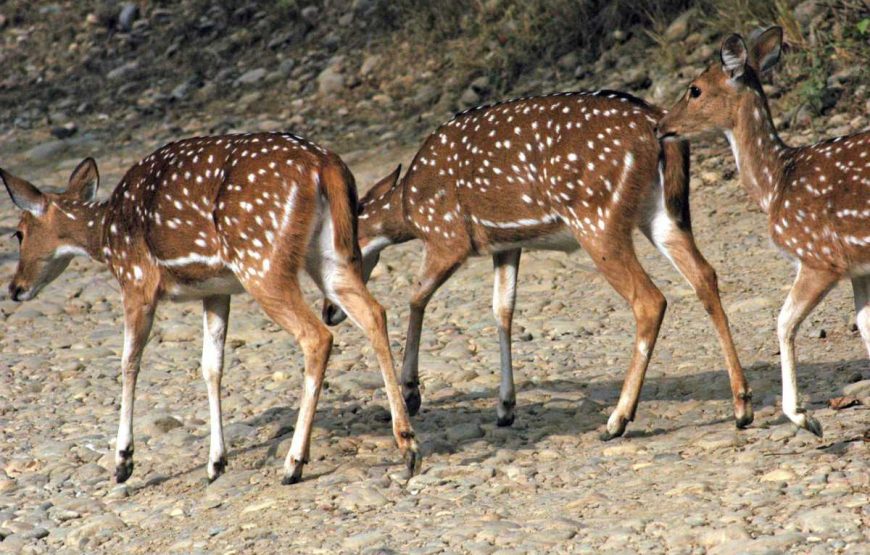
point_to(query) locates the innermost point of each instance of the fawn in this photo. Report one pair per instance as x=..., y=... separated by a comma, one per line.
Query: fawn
x=816, y=197
x=556, y=172
x=206, y=218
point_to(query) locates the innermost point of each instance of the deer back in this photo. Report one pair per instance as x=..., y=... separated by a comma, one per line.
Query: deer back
x=200, y=207
x=512, y=172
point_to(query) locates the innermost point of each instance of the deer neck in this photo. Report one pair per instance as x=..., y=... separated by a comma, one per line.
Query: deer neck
x=759, y=152
x=82, y=226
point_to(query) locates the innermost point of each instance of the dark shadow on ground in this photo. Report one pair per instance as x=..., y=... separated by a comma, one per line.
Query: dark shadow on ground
x=574, y=408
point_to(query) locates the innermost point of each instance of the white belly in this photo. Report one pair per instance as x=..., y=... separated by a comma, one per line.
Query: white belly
x=562, y=240
x=225, y=284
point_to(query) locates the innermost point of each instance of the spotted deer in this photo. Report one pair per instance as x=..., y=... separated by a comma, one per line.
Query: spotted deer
x=557, y=172
x=817, y=197
x=206, y=218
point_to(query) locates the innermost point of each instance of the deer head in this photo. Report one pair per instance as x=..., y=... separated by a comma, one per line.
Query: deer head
x=373, y=228
x=47, y=233
x=714, y=98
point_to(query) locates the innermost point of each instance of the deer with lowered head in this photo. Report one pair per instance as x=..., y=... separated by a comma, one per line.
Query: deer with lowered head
x=816, y=197
x=206, y=218
x=557, y=172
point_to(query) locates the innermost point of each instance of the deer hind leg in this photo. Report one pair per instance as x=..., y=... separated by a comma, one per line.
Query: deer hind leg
x=809, y=288
x=678, y=245
x=861, y=290
x=435, y=271
x=504, y=295
x=349, y=292
x=215, y=315
x=285, y=304
x=138, y=318
x=618, y=262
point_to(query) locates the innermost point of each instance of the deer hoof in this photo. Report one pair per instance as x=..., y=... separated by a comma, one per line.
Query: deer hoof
x=744, y=420
x=413, y=461
x=615, y=427
x=505, y=411
x=413, y=401
x=743, y=414
x=123, y=470
x=294, y=476
x=813, y=425
x=216, y=469
x=505, y=420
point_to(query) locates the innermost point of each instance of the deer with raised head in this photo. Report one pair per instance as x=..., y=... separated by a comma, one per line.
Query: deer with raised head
x=557, y=172
x=206, y=218
x=817, y=197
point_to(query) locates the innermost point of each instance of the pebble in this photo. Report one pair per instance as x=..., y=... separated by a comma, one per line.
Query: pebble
x=330, y=81
x=363, y=540
x=251, y=76
x=859, y=389
x=94, y=531
x=779, y=475
x=464, y=432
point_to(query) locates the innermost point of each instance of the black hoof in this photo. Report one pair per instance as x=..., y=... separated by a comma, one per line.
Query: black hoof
x=413, y=462
x=217, y=469
x=814, y=426
x=744, y=421
x=124, y=470
x=505, y=421
x=293, y=477
x=413, y=401
x=608, y=434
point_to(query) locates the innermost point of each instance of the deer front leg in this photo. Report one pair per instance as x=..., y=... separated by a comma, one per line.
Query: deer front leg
x=436, y=270
x=861, y=290
x=809, y=288
x=215, y=315
x=138, y=317
x=504, y=295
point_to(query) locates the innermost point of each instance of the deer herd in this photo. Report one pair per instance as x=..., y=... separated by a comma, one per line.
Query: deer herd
x=209, y=217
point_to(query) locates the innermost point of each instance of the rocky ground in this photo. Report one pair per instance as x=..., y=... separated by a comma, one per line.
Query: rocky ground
x=682, y=480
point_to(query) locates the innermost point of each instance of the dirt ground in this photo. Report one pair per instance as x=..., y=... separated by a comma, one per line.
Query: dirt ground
x=682, y=480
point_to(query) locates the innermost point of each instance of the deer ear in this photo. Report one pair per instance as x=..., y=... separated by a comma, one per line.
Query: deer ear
x=23, y=194
x=393, y=178
x=734, y=56
x=765, y=48
x=84, y=181
x=385, y=184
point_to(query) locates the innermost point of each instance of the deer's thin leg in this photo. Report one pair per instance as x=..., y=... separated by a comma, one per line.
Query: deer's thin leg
x=617, y=261
x=215, y=315
x=285, y=304
x=861, y=290
x=365, y=312
x=809, y=288
x=504, y=294
x=138, y=318
x=680, y=248
x=434, y=273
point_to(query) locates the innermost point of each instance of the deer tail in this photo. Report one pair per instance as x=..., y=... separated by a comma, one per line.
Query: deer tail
x=339, y=189
x=674, y=167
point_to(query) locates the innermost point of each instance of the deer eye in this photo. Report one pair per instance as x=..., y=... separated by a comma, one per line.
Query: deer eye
x=694, y=91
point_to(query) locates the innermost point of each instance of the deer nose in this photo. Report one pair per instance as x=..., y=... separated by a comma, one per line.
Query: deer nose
x=332, y=314
x=15, y=292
